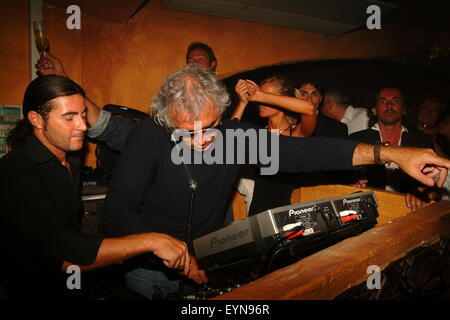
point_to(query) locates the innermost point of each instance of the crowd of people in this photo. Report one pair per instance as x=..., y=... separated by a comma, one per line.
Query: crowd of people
x=157, y=207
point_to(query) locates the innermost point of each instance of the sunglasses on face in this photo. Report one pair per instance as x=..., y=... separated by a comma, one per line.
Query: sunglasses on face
x=183, y=133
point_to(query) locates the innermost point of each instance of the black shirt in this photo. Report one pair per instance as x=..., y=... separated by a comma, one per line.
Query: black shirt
x=149, y=193
x=39, y=230
x=327, y=127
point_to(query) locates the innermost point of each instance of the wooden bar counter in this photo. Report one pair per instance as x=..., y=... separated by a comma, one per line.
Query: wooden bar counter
x=329, y=272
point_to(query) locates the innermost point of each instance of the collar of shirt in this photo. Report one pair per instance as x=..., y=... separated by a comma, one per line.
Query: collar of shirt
x=390, y=165
x=352, y=113
x=377, y=128
x=39, y=153
x=348, y=115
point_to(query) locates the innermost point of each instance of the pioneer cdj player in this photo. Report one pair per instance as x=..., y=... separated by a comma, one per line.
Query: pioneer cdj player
x=281, y=236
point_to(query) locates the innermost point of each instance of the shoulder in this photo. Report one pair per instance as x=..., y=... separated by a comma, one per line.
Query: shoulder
x=329, y=121
x=353, y=113
x=146, y=137
x=17, y=169
x=149, y=129
x=361, y=113
x=417, y=139
x=368, y=135
x=14, y=159
x=330, y=127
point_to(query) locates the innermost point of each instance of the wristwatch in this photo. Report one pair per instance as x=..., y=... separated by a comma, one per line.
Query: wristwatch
x=377, y=151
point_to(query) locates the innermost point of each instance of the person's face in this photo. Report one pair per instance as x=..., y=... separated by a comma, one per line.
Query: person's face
x=199, y=137
x=201, y=58
x=389, y=107
x=309, y=92
x=264, y=110
x=429, y=113
x=65, y=126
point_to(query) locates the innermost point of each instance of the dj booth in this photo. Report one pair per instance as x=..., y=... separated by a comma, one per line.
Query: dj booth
x=281, y=236
x=315, y=249
x=409, y=249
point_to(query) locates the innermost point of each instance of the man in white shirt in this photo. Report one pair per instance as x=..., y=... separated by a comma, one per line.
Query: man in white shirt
x=387, y=126
x=336, y=106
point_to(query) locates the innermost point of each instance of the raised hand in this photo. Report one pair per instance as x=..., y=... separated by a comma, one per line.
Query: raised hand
x=49, y=64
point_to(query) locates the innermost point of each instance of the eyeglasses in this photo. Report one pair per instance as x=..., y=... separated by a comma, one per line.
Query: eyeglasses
x=183, y=133
x=204, y=131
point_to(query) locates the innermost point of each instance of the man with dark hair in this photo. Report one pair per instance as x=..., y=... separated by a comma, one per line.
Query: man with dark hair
x=387, y=122
x=387, y=126
x=40, y=196
x=201, y=54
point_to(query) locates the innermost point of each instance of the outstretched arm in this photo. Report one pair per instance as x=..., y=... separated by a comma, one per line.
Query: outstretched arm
x=173, y=252
x=424, y=165
x=49, y=64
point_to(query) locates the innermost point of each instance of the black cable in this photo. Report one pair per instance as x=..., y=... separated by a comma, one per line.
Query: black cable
x=275, y=249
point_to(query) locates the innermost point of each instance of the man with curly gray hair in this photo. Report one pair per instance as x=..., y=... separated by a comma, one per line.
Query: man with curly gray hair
x=186, y=92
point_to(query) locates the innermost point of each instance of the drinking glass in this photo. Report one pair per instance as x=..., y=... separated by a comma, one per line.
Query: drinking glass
x=40, y=37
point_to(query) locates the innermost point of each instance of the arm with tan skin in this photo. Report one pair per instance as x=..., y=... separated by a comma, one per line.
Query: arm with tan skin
x=244, y=91
x=247, y=91
x=52, y=65
x=424, y=165
x=308, y=124
x=172, y=252
x=417, y=198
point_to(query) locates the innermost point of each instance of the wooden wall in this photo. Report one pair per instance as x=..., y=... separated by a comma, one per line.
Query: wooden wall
x=14, y=51
x=126, y=63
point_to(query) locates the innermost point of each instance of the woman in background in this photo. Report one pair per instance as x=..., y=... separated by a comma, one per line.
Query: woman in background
x=276, y=95
x=286, y=115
